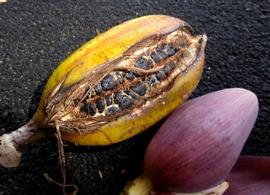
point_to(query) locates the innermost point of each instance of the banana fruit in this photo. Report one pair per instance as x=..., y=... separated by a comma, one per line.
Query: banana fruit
x=119, y=83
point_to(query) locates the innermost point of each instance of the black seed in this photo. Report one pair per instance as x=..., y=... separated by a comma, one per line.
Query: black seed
x=85, y=109
x=164, y=47
x=109, y=100
x=98, y=89
x=139, y=88
x=117, y=97
x=125, y=103
x=162, y=54
x=111, y=110
x=130, y=75
x=172, y=66
x=161, y=75
x=131, y=94
x=92, y=109
x=151, y=79
x=89, y=109
x=100, y=105
x=169, y=50
x=169, y=68
x=158, y=55
x=108, y=82
x=143, y=63
x=155, y=57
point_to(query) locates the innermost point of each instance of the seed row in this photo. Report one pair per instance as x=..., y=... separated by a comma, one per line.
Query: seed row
x=125, y=99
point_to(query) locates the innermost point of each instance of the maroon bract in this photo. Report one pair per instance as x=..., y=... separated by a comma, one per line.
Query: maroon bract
x=250, y=176
x=198, y=145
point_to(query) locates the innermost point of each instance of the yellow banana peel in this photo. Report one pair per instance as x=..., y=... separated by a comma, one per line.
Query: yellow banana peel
x=119, y=83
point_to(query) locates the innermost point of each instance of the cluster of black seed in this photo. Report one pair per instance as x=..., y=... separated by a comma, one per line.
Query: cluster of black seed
x=161, y=53
x=122, y=100
x=118, y=100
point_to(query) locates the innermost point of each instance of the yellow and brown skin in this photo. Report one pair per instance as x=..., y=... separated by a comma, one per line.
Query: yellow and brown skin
x=123, y=81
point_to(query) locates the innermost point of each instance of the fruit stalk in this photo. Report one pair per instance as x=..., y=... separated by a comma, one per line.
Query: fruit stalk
x=13, y=144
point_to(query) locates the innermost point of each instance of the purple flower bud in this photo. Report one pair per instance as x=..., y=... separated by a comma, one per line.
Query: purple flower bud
x=197, y=146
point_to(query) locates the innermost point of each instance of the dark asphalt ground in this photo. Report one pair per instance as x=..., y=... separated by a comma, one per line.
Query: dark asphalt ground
x=36, y=35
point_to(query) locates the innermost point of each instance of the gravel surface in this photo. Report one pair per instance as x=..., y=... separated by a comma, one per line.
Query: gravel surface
x=36, y=35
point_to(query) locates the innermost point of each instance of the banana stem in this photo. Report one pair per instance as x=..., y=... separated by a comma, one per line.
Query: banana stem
x=13, y=144
x=143, y=186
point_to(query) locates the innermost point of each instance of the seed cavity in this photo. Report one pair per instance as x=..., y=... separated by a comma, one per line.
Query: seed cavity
x=125, y=98
x=122, y=89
